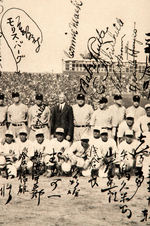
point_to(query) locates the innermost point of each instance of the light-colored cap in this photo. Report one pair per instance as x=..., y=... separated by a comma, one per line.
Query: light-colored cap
x=23, y=130
x=104, y=131
x=39, y=131
x=9, y=132
x=147, y=106
x=60, y=130
x=130, y=115
x=129, y=133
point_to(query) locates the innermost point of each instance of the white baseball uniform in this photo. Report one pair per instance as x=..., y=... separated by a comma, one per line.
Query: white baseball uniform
x=137, y=112
x=17, y=116
x=123, y=127
x=39, y=118
x=141, y=125
x=82, y=116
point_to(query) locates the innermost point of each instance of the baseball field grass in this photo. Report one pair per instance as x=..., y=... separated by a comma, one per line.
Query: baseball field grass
x=61, y=207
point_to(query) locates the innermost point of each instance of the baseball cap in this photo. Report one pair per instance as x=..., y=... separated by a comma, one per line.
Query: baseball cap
x=103, y=100
x=8, y=132
x=23, y=131
x=60, y=130
x=136, y=98
x=104, y=131
x=15, y=94
x=129, y=133
x=39, y=132
x=80, y=96
x=130, y=115
x=39, y=96
x=85, y=137
x=1, y=96
x=147, y=106
x=96, y=128
x=117, y=97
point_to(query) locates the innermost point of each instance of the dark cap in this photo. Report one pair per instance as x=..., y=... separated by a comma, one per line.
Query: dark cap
x=80, y=96
x=117, y=97
x=15, y=94
x=136, y=98
x=2, y=96
x=39, y=97
x=103, y=100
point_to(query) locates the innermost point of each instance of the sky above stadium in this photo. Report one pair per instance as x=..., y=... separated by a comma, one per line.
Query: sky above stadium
x=37, y=34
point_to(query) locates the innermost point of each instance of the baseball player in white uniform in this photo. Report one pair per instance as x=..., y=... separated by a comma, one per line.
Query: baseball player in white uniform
x=127, y=153
x=118, y=114
x=107, y=153
x=82, y=155
x=82, y=113
x=102, y=117
x=24, y=149
x=17, y=114
x=39, y=118
x=95, y=138
x=136, y=109
x=9, y=151
x=3, y=116
x=142, y=122
x=127, y=124
x=59, y=149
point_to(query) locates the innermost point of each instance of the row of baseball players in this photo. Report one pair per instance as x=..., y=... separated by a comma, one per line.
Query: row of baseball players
x=87, y=154
x=76, y=120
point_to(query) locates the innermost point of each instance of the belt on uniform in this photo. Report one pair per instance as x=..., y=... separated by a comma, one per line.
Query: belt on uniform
x=39, y=127
x=108, y=128
x=81, y=126
x=17, y=124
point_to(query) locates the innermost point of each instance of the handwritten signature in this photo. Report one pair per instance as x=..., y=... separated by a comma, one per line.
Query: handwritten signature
x=102, y=50
x=16, y=34
x=73, y=26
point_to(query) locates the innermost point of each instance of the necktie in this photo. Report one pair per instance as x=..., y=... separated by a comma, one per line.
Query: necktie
x=60, y=108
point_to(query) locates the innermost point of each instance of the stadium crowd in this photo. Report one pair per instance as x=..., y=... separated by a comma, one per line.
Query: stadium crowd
x=111, y=140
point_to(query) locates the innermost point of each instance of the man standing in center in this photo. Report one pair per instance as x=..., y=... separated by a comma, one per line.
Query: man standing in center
x=82, y=115
x=62, y=117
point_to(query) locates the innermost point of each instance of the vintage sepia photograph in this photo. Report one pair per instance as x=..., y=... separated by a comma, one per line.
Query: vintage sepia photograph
x=74, y=112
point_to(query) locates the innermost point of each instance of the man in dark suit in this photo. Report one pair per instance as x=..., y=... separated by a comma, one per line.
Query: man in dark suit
x=62, y=117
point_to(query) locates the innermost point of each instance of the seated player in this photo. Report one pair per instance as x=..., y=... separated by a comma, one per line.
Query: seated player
x=25, y=150
x=95, y=138
x=8, y=151
x=146, y=145
x=141, y=123
x=81, y=156
x=107, y=154
x=57, y=154
x=127, y=124
x=41, y=147
x=129, y=153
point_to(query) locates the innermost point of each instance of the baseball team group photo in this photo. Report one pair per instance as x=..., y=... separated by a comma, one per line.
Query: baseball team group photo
x=109, y=140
